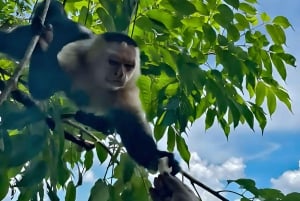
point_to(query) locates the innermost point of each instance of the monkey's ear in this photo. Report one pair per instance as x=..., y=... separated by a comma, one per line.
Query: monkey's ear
x=72, y=55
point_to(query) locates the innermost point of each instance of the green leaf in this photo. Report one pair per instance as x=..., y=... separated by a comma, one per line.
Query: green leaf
x=209, y=33
x=88, y=159
x=243, y=23
x=288, y=58
x=159, y=129
x=106, y=19
x=225, y=126
x=247, y=8
x=70, y=192
x=184, y=7
x=246, y=184
x=260, y=116
x=234, y=3
x=99, y=192
x=4, y=184
x=83, y=14
x=183, y=149
x=271, y=101
x=270, y=194
x=282, y=21
x=283, y=96
x=277, y=34
x=292, y=197
x=233, y=33
x=33, y=174
x=236, y=115
x=260, y=91
x=278, y=63
x=101, y=152
x=125, y=168
x=248, y=115
x=171, y=139
x=226, y=13
x=265, y=17
x=210, y=117
x=20, y=152
x=168, y=20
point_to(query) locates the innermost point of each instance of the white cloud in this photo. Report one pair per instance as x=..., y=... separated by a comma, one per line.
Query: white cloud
x=213, y=175
x=89, y=177
x=288, y=182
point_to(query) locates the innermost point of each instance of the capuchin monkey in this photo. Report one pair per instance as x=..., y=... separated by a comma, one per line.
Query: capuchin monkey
x=45, y=76
x=103, y=71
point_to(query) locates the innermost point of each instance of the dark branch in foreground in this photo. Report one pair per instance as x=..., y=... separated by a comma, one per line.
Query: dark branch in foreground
x=24, y=99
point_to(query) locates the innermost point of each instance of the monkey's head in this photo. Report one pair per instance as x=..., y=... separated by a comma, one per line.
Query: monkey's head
x=110, y=61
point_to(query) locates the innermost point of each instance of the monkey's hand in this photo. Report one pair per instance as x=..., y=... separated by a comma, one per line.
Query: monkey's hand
x=169, y=188
x=45, y=32
x=172, y=162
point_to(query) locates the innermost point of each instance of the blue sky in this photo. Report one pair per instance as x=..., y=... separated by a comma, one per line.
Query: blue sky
x=272, y=160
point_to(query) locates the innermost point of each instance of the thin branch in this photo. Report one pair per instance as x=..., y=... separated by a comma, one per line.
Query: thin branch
x=97, y=140
x=135, y=17
x=12, y=82
x=24, y=99
x=4, y=72
x=193, y=180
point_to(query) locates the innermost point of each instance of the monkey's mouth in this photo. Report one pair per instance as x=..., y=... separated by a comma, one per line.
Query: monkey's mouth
x=117, y=83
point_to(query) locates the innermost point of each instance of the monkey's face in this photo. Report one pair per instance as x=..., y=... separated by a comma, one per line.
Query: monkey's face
x=118, y=66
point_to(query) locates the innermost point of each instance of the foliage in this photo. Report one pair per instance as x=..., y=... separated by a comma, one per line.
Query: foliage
x=209, y=58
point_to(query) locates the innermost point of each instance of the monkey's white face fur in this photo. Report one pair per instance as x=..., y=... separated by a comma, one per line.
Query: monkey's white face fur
x=119, y=65
x=105, y=71
x=109, y=66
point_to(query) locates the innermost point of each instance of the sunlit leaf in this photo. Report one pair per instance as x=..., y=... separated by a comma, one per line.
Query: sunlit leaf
x=278, y=63
x=271, y=102
x=282, y=21
x=171, y=139
x=247, y=8
x=183, y=149
x=265, y=17
x=277, y=34
x=260, y=93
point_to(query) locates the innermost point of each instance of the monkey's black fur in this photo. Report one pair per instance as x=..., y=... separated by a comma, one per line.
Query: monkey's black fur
x=45, y=76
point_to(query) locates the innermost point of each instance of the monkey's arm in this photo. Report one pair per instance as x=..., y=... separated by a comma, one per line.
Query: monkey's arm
x=138, y=142
x=135, y=137
x=15, y=42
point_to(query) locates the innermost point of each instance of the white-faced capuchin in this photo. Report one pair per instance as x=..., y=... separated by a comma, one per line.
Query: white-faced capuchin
x=45, y=76
x=103, y=71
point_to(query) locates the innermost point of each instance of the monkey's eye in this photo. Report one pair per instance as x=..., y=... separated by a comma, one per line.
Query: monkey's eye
x=114, y=62
x=129, y=66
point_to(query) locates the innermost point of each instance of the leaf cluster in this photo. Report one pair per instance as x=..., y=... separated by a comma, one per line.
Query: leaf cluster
x=213, y=58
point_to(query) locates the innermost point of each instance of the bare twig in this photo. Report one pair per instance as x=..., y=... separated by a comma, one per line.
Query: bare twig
x=12, y=82
x=193, y=180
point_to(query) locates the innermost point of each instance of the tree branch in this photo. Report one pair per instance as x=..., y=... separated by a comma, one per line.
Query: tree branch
x=193, y=180
x=12, y=82
x=24, y=99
